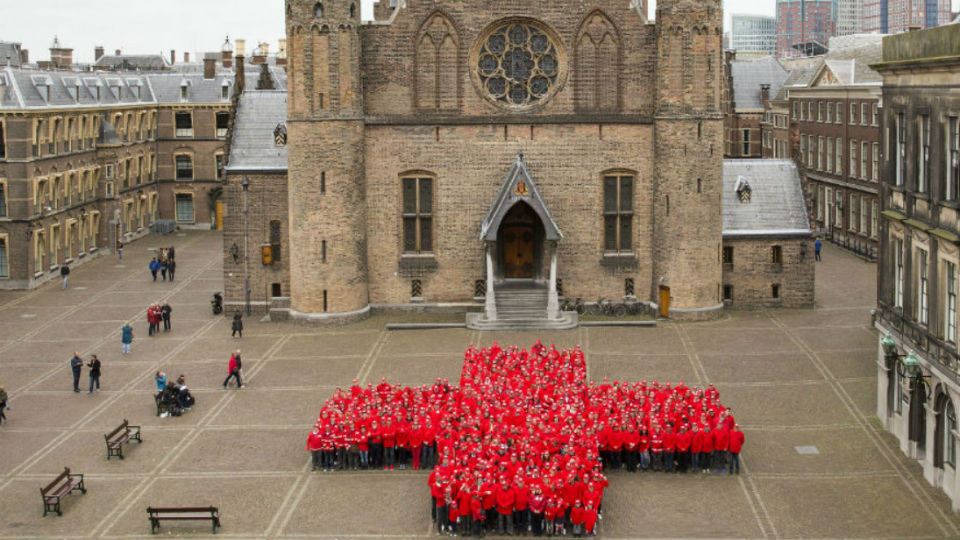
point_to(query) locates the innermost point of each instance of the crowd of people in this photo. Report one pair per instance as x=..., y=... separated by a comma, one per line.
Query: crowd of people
x=173, y=397
x=524, y=443
x=164, y=263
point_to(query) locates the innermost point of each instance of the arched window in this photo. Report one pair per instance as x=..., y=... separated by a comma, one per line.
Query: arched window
x=946, y=445
x=597, y=65
x=417, y=213
x=353, y=11
x=318, y=10
x=618, y=212
x=437, y=67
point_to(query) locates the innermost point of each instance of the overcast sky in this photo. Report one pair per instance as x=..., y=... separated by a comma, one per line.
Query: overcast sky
x=141, y=26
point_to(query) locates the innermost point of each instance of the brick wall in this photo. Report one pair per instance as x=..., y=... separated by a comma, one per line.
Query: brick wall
x=753, y=274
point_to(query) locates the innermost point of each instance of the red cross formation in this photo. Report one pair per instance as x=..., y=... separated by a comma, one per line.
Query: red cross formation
x=527, y=418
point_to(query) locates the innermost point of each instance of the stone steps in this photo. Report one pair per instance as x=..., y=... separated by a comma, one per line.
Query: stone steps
x=522, y=308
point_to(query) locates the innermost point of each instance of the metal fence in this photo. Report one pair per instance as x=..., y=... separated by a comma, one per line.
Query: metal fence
x=163, y=226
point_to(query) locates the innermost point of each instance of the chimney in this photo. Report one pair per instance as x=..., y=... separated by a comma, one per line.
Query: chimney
x=97, y=52
x=765, y=95
x=282, y=53
x=241, y=48
x=24, y=57
x=60, y=57
x=226, y=53
x=186, y=58
x=238, y=82
x=210, y=66
x=173, y=57
x=260, y=54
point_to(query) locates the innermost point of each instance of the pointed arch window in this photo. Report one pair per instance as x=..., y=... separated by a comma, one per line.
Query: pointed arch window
x=618, y=212
x=437, y=65
x=597, y=65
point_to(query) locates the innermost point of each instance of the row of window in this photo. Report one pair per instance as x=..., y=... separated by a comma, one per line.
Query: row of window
x=780, y=149
x=923, y=135
x=139, y=212
x=183, y=124
x=65, y=189
x=826, y=154
x=775, y=292
x=920, y=283
x=862, y=212
x=776, y=255
x=417, y=213
x=944, y=411
x=81, y=234
x=863, y=113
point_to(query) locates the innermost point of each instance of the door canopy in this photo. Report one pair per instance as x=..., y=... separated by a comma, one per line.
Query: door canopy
x=518, y=187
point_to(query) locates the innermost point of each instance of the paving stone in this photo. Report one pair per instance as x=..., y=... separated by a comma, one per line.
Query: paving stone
x=762, y=367
x=23, y=509
x=663, y=368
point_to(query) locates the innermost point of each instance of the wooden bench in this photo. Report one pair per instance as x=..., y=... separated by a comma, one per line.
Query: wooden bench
x=63, y=485
x=157, y=515
x=117, y=437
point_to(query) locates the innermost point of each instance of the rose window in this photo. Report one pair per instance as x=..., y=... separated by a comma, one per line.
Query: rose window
x=517, y=64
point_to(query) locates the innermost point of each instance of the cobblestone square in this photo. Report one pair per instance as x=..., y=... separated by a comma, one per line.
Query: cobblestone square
x=792, y=377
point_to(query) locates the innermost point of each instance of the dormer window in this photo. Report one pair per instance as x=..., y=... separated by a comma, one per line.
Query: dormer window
x=225, y=90
x=93, y=84
x=135, y=86
x=183, y=91
x=743, y=190
x=43, y=83
x=318, y=10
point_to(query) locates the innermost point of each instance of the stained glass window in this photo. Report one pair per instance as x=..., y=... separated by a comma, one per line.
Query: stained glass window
x=518, y=64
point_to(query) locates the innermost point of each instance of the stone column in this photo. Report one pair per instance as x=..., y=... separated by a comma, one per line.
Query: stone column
x=553, y=302
x=490, y=306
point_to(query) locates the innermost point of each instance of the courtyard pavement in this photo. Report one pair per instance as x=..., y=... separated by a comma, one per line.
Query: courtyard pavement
x=793, y=378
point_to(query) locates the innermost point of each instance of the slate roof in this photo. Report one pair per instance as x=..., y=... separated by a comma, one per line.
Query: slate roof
x=252, y=148
x=748, y=75
x=9, y=54
x=132, y=62
x=27, y=89
x=510, y=194
x=167, y=86
x=776, y=206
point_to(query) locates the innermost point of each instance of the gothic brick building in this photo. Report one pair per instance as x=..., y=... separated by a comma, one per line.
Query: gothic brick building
x=448, y=153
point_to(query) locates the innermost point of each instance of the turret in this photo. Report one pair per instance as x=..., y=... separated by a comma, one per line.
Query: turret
x=326, y=185
x=688, y=165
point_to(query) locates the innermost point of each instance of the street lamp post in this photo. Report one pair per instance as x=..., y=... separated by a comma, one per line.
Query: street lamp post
x=246, y=242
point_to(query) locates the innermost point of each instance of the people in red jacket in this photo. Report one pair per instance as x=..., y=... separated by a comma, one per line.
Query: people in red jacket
x=506, y=498
x=577, y=518
x=736, y=444
x=721, y=441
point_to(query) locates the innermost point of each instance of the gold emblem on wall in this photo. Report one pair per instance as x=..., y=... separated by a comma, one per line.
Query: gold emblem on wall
x=521, y=189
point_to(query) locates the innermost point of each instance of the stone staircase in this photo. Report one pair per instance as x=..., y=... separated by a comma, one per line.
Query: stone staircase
x=521, y=307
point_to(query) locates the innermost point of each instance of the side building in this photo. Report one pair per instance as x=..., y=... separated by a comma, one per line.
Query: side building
x=918, y=364
x=836, y=108
x=748, y=88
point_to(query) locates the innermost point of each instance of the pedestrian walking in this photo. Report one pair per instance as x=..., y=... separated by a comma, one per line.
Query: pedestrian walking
x=816, y=248
x=94, y=365
x=170, y=253
x=126, y=338
x=65, y=274
x=165, y=310
x=171, y=268
x=76, y=364
x=163, y=269
x=237, y=325
x=119, y=251
x=3, y=405
x=234, y=368
x=154, y=266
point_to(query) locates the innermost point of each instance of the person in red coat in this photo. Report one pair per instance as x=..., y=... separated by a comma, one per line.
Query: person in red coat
x=464, y=511
x=696, y=442
x=706, y=449
x=389, y=434
x=537, y=504
x=506, y=498
x=315, y=446
x=478, y=514
x=590, y=520
x=721, y=441
x=577, y=518
x=521, y=506
x=736, y=444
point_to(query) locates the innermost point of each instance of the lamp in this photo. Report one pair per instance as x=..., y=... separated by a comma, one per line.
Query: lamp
x=910, y=367
x=889, y=345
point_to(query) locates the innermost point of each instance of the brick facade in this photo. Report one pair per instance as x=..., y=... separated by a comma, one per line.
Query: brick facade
x=754, y=280
x=629, y=99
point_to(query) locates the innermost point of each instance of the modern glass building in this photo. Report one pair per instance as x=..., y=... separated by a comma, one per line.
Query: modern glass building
x=753, y=34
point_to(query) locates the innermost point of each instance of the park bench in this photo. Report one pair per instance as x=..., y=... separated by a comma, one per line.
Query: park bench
x=117, y=437
x=63, y=485
x=190, y=513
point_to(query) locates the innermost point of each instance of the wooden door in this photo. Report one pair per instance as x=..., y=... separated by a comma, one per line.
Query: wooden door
x=518, y=247
x=220, y=217
x=665, y=302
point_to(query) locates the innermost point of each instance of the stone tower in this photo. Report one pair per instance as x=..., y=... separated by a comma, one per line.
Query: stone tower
x=688, y=168
x=328, y=246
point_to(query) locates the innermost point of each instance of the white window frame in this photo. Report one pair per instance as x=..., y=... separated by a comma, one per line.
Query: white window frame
x=950, y=302
x=864, y=156
x=839, y=156
x=898, y=273
x=875, y=170
x=874, y=218
x=852, y=173
x=923, y=152
x=852, y=218
x=923, y=287
x=863, y=214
